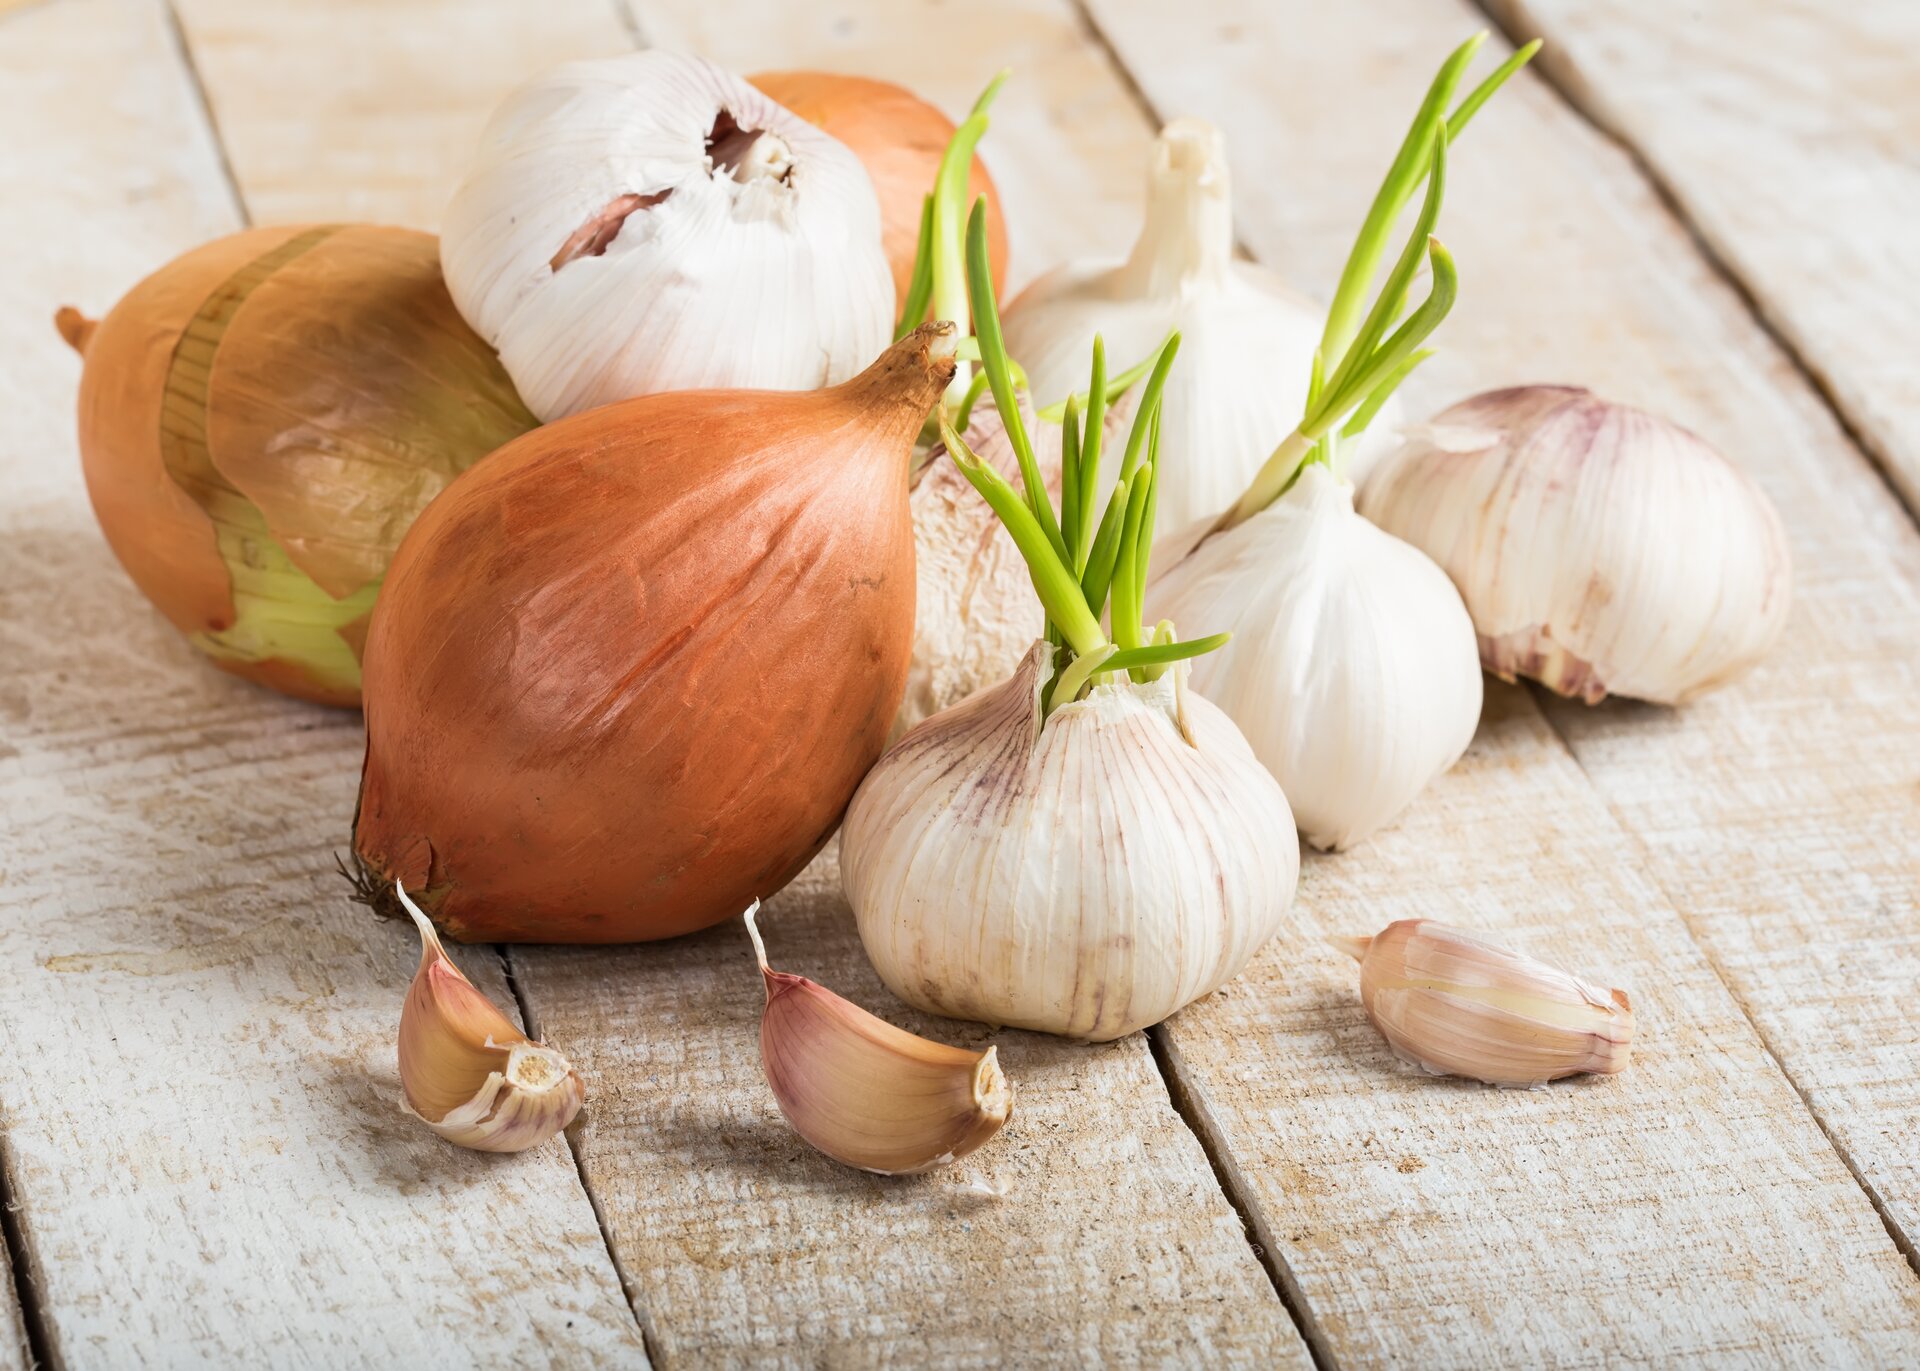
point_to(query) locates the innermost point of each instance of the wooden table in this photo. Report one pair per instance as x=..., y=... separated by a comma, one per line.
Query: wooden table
x=1709, y=209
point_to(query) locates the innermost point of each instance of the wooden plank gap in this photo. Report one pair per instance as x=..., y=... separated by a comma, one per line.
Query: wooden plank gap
x=21, y=1265
x=1188, y=1098
x=530, y=1025
x=177, y=35
x=629, y=19
x=1551, y=66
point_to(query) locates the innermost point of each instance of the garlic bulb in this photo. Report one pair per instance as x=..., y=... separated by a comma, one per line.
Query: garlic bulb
x=1247, y=340
x=650, y=223
x=469, y=1073
x=1352, y=669
x=1457, y=1005
x=1600, y=549
x=1087, y=873
x=866, y=1093
x=975, y=614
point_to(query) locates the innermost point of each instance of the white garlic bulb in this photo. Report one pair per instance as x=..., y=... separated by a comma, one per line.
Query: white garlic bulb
x=650, y=223
x=1352, y=670
x=1086, y=875
x=1600, y=549
x=1247, y=340
x=975, y=614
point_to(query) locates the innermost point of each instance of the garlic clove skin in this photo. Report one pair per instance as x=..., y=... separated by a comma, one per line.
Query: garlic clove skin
x=1458, y=1005
x=975, y=613
x=1601, y=550
x=1087, y=875
x=468, y=1072
x=1353, y=670
x=1247, y=338
x=866, y=1093
x=651, y=223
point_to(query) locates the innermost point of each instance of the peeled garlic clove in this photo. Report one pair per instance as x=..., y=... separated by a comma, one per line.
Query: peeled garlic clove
x=1457, y=1005
x=469, y=1074
x=866, y=1093
x=1600, y=549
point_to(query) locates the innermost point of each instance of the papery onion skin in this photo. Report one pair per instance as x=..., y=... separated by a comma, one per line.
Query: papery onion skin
x=625, y=676
x=1600, y=549
x=260, y=422
x=899, y=138
x=1088, y=877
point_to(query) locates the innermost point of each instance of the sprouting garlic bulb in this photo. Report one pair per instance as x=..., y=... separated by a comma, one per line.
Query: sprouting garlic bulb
x=469, y=1073
x=1457, y=1005
x=1600, y=549
x=650, y=223
x=1087, y=875
x=1247, y=340
x=1352, y=670
x=975, y=614
x=868, y=1094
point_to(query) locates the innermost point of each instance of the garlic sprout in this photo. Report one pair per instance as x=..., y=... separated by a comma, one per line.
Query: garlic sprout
x=1088, y=846
x=650, y=223
x=1600, y=549
x=1353, y=671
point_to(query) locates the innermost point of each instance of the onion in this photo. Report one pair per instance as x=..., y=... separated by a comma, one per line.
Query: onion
x=263, y=418
x=899, y=138
x=626, y=675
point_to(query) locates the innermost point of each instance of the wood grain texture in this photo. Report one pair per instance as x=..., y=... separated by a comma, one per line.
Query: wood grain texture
x=369, y=109
x=1113, y=1243
x=1779, y=818
x=1785, y=132
x=1108, y=1242
x=201, y=1103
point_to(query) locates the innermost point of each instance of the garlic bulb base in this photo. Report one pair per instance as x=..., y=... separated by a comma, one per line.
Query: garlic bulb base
x=1085, y=874
x=1533, y=654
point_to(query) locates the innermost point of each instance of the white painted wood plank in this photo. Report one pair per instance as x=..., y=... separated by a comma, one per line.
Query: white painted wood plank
x=370, y=109
x=200, y=1099
x=1786, y=132
x=1114, y=1242
x=1779, y=819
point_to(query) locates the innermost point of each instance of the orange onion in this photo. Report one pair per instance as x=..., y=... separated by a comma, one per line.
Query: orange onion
x=899, y=138
x=626, y=674
x=263, y=418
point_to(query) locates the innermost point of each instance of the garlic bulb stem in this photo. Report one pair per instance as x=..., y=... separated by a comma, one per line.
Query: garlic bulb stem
x=1188, y=231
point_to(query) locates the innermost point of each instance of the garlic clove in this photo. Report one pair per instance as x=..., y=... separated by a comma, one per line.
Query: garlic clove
x=866, y=1093
x=1455, y=1004
x=469, y=1073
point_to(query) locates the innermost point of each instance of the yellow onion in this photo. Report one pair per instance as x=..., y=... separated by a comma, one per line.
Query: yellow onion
x=899, y=138
x=262, y=419
x=626, y=675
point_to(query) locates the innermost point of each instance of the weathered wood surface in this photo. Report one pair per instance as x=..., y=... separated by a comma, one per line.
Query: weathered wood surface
x=1780, y=818
x=1113, y=1242
x=1785, y=132
x=367, y=109
x=199, y=1095
x=1108, y=1242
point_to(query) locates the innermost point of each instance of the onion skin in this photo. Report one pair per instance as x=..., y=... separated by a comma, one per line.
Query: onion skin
x=625, y=675
x=899, y=138
x=327, y=390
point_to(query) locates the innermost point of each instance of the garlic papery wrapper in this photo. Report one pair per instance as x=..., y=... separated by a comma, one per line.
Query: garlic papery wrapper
x=1600, y=549
x=1455, y=1004
x=1352, y=670
x=651, y=223
x=1247, y=340
x=1087, y=873
x=469, y=1073
x=866, y=1093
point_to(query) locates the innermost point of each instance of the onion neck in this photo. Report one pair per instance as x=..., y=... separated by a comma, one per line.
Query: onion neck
x=1188, y=233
